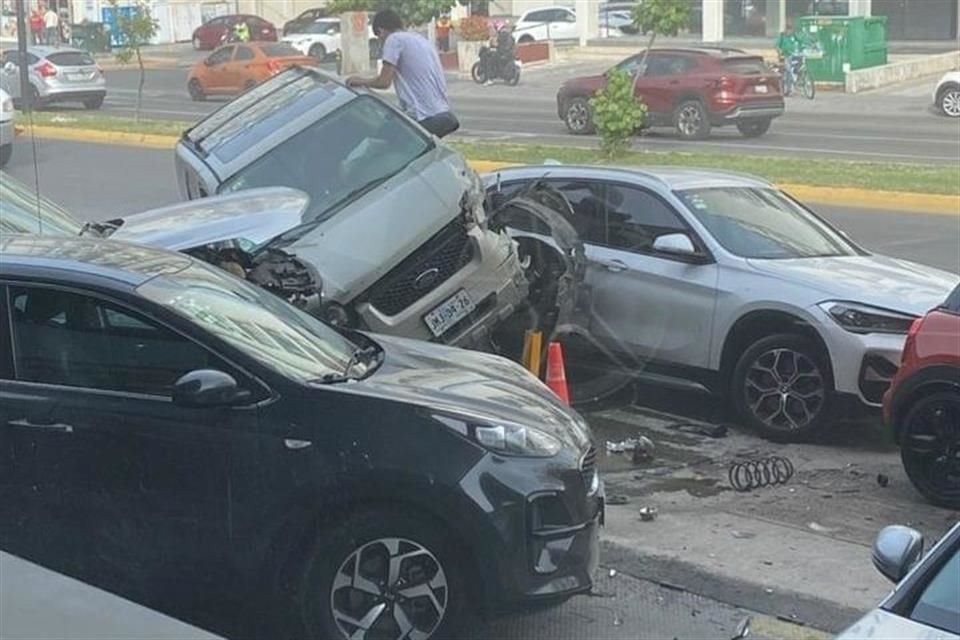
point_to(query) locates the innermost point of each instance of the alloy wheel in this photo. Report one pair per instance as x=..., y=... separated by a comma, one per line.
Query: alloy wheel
x=689, y=121
x=389, y=589
x=950, y=103
x=785, y=389
x=578, y=116
x=933, y=441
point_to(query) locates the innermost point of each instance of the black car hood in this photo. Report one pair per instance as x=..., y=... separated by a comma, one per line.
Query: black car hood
x=478, y=387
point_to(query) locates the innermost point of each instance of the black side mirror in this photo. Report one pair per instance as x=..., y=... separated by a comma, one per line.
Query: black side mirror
x=208, y=388
x=896, y=550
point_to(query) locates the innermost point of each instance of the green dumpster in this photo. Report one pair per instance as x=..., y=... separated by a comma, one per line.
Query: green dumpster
x=91, y=36
x=840, y=44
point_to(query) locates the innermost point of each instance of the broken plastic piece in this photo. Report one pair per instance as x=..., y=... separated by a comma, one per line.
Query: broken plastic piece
x=648, y=514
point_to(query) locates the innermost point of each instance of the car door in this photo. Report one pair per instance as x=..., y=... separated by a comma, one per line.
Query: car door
x=130, y=489
x=659, y=82
x=242, y=69
x=564, y=25
x=644, y=303
x=218, y=72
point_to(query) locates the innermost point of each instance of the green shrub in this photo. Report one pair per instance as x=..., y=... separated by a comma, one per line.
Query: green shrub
x=617, y=113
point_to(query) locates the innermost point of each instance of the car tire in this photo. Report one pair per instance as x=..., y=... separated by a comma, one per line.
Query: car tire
x=362, y=544
x=514, y=78
x=930, y=447
x=319, y=52
x=754, y=127
x=948, y=101
x=782, y=387
x=477, y=73
x=691, y=120
x=525, y=39
x=195, y=89
x=93, y=104
x=578, y=116
x=6, y=151
x=35, y=97
x=249, y=84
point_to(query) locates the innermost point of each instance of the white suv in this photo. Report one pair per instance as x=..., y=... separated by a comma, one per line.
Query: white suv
x=550, y=23
x=946, y=97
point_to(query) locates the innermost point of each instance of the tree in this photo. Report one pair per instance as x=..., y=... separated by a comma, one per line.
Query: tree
x=413, y=12
x=617, y=113
x=660, y=18
x=135, y=29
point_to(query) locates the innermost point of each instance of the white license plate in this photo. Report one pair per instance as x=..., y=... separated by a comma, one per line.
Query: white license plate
x=452, y=311
x=79, y=77
x=761, y=88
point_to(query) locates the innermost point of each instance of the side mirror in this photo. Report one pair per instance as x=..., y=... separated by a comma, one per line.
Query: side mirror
x=207, y=388
x=9, y=67
x=896, y=550
x=676, y=244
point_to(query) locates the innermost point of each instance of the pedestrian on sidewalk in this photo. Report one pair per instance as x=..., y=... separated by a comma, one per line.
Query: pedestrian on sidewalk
x=36, y=26
x=443, y=33
x=412, y=65
x=51, y=24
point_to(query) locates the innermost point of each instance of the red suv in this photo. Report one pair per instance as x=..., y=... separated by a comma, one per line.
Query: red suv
x=214, y=32
x=690, y=89
x=923, y=404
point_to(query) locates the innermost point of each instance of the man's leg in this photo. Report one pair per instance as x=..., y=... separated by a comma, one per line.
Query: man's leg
x=442, y=124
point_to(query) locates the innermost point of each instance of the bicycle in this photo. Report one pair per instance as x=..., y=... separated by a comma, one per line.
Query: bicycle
x=800, y=78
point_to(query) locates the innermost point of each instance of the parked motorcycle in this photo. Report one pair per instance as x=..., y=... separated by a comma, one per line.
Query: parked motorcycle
x=503, y=68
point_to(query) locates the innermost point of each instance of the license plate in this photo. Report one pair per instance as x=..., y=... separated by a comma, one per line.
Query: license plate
x=79, y=77
x=761, y=88
x=452, y=311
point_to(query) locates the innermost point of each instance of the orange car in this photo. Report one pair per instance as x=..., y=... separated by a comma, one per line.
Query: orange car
x=234, y=68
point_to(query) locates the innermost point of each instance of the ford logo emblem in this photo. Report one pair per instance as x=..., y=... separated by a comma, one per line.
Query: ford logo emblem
x=427, y=280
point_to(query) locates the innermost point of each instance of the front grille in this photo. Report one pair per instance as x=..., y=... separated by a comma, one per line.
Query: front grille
x=424, y=270
x=588, y=466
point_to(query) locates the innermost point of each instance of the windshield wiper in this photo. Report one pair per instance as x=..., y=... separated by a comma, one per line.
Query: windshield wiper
x=362, y=355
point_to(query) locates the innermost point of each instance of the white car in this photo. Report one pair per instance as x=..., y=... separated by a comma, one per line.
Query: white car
x=318, y=39
x=550, y=23
x=722, y=280
x=946, y=97
x=925, y=604
x=6, y=127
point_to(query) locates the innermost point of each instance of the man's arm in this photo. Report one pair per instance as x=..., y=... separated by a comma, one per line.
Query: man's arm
x=383, y=81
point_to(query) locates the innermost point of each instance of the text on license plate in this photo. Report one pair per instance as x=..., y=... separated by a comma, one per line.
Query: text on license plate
x=760, y=88
x=453, y=310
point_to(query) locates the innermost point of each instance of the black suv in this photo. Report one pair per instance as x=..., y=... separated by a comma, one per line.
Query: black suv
x=174, y=433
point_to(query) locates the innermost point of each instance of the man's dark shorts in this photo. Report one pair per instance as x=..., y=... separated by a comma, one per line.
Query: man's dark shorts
x=442, y=124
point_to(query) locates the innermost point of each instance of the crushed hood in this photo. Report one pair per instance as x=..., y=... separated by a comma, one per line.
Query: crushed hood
x=256, y=216
x=471, y=384
x=881, y=281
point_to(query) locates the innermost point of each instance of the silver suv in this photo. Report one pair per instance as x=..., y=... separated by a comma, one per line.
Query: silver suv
x=396, y=226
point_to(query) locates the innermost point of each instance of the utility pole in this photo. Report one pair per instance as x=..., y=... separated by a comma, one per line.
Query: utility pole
x=26, y=95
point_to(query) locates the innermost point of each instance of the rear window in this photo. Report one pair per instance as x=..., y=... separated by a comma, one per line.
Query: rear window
x=71, y=59
x=745, y=66
x=953, y=302
x=279, y=50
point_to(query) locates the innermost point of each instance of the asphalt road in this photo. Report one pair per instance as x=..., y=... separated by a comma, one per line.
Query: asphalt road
x=98, y=182
x=895, y=125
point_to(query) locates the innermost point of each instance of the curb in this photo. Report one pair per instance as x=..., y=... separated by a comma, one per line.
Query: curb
x=925, y=203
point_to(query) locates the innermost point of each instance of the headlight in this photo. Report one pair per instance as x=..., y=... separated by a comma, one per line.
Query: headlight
x=6, y=106
x=506, y=439
x=861, y=318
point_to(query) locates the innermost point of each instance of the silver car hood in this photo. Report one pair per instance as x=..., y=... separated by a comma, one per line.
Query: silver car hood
x=256, y=216
x=883, y=624
x=890, y=283
x=359, y=244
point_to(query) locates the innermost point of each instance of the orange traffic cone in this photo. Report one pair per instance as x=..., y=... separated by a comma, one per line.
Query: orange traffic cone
x=557, y=373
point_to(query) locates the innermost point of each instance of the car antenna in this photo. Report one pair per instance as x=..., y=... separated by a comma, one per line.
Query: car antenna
x=26, y=100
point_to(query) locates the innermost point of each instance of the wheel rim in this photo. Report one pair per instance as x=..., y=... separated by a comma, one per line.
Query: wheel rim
x=578, y=116
x=785, y=389
x=195, y=90
x=690, y=120
x=951, y=103
x=389, y=589
x=933, y=440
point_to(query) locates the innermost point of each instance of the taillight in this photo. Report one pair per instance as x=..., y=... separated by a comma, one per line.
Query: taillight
x=46, y=69
x=273, y=66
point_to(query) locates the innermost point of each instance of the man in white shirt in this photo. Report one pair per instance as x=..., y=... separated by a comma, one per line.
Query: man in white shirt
x=51, y=24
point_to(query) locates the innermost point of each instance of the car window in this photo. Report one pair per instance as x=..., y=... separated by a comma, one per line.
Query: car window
x=6, y=351
x=939, y=604
x=562, y=15
x=13, y=57
x=221, y=56
x=539, y=16
x=952, y=303
x=745, y=66
x=586, y=199
x=631, y=64
x=323, y=27
x=81, y=341
x=244, y=53
x=636, y=217
x=71, y=59
x=363, y=142
x=763, y=223
x=667, y=65
x=21, y=211
x=279, y=50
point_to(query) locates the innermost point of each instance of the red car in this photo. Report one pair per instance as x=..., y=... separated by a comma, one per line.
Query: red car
x=923, y=404
x=216, y=31
x=692, y=90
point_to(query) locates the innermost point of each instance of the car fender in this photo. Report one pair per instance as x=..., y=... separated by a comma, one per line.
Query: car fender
x=927, y=379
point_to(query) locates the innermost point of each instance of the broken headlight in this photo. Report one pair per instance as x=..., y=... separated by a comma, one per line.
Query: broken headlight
x=505, y=438
x=861, y=318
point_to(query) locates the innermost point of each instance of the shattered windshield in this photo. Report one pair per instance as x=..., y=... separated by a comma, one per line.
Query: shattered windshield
x=256, y=322
x=360, y=144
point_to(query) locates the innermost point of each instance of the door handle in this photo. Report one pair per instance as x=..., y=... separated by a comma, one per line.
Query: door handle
x=54, y=426
x=614, y=265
